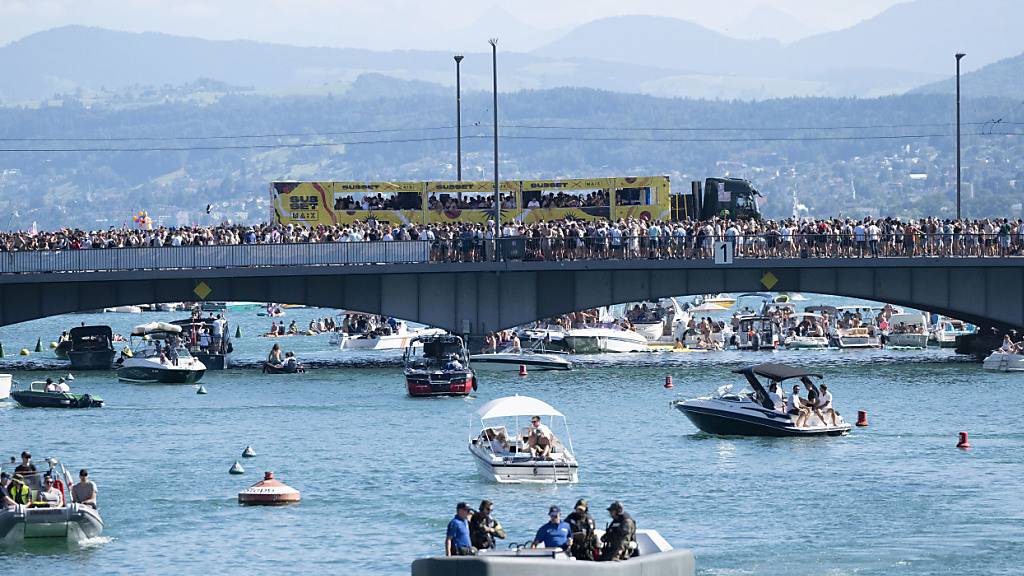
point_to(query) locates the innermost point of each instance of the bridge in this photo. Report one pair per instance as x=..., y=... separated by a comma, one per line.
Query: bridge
x=401, y=279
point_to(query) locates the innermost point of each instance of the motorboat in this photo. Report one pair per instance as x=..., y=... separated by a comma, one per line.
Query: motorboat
x=604, y=338
x=197, y=333
x=859, y=337
x=1001, y=361
x=506, y=457
x=90, y=347
x=661, y=321
x=366, y=332
x=438, y=365
x=908, y=330
x=806, y=332
x=946, y=331
x=67, y=521
x=150, y=362
x=722, y=299
x=757, y=332
x=753, y=413
x=37, y=397
x=5, y=386
x=549, y=336
x=511, y=358
x=124, y=310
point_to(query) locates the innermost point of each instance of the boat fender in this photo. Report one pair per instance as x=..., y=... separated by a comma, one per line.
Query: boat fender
x=475, y=382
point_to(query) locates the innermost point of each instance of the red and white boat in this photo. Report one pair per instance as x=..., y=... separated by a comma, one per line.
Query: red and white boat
x=438, y=365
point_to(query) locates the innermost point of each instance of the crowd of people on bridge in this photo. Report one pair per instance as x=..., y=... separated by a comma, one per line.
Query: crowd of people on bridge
x=575, y=239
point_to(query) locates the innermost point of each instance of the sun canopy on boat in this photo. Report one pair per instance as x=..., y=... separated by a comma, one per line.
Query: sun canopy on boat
x=777, y=372
x=150, y=328
x=516, y=406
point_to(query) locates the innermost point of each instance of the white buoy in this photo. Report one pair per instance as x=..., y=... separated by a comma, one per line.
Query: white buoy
x=70, y=377
x=248, y=452
x=201, y=390
x=236, y=468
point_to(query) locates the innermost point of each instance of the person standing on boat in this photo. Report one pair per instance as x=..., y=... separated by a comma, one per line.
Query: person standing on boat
x=483, y=528
x=583, y=536
x=27, y=470
x=554, y=533
x=621, y=532
x=457, y=541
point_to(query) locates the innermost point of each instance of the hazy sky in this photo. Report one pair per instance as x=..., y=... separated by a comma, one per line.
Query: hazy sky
x=399, y=24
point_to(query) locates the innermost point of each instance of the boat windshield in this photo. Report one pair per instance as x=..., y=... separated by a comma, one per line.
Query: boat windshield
x=436, y=353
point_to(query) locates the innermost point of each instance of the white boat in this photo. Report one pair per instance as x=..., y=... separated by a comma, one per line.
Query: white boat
x=67, y=521
x=505, y=456
x=1000, y=361
x=946, y=331
x=511, y=358
x=149, y=362
x=908, y=330
x=550, y=335
x=861, y=337
x=757, y=333
x=809, y=340
x=722, y=299
x=380, y=341
x=5, y=386
x=604, y=338
x=753, y=413
x=124, y=309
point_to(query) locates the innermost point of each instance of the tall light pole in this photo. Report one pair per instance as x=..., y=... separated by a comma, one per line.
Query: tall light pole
x=959, y=55
x=458, y=117
x=497, y=188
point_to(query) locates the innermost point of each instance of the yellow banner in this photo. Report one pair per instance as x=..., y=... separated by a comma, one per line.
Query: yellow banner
x=305, y=203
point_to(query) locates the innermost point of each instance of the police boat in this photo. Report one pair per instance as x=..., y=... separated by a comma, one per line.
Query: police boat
x=502, y=448
x=753, y=413
x=64, y=519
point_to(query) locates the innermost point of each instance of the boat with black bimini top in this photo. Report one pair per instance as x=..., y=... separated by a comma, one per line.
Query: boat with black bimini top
x=438, y=365
x=753, y=413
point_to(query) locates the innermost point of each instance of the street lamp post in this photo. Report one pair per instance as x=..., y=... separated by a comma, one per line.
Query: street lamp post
x=458, y=117
x=959, y=55
x=497, y=188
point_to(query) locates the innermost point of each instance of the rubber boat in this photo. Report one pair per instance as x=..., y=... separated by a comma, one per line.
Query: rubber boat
x=69, y=521
x=509, y=358
x=438, y=365
x=37, y=397
x=148, y=365
x=91, y=347
x=505, y=457
x=1000, y=361
x=604, y=338
x=752, y=413
x=286, y=368
x=908, y=330
x=5, y=386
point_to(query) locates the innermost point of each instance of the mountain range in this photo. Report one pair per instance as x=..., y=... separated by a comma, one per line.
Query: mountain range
x=904, y=47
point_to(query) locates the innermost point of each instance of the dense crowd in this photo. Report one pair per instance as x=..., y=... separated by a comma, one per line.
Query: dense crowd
x=571, y=239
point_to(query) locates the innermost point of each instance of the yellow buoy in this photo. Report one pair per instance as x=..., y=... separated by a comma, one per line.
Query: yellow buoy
x=53, y=344
x=24, y=352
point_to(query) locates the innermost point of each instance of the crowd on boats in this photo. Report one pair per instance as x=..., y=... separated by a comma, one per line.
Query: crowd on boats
x=27, y=486
x=472, y=532
x=571, y=239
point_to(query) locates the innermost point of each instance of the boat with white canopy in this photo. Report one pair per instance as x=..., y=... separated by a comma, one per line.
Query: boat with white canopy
x=158, y=355
x=509, y=448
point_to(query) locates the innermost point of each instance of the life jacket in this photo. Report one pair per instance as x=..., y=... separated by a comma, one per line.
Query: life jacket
x=20, y=493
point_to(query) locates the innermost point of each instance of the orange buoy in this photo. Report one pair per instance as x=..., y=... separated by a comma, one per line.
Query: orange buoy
x=963, y=443
x=668, y=382
x=862, y=418
x=522, y=369
x=268, y=492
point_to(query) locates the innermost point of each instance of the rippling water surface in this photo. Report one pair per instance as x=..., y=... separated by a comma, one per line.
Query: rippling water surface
x=380, y=473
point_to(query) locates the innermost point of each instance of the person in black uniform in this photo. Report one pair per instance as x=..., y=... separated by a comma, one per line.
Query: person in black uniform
x=615, y=544
x=484, y=528
x=582, y=525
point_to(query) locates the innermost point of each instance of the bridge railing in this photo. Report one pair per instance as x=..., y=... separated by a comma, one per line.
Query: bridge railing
x=508, y=249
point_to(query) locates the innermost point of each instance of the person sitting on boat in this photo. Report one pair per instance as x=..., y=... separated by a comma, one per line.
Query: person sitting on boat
x=793, y=404
x=619, y=537
x=775, y=398
x=5, y=497
x=51, y=386
x=453, y=364
x=273, y=328
x=274, y=358
x=825, y=405
x=1008, y=346
x=313, y=327
x=484, y=528
x=293, y=328
x=18, y=491
x=49, y=496
x=64, y=337
x=554, y=533
x=540, y=440
x=84, y=492
x=62, y=386
x=811, y=405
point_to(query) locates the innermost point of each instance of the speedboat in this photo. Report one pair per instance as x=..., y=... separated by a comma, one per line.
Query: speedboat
x=505, y=456
x=150, y=363
x=859, y=337
x=604, y=338
x=124, y=310
x=549, y=336
x=37, y=397
x=757, y=332
x=533, y=358
x=724, y=300
x=946, y=331
x=752, y=413
x=215, y=354
x=68, y=521
x=90, y=347
x=1000, y=361
x=438, y=365
x=364, y=332
x=811, y=325
x=907, y=330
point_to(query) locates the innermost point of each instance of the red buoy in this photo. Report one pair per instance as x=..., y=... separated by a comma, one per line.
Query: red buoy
x=268, y=492
x=522, y=369
x=668, y=381
x=862, y=418
x=963, y=443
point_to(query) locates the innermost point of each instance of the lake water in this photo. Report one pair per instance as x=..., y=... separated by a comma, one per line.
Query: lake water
x=380, y=473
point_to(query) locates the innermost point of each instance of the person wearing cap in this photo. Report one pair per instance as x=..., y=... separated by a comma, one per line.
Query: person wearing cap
x=619, y=535
x=484, y=528
x=457, y=541
x=28, y=470
x=582, y=525
x=18, y=491
x=554, y=533
x=84, y=492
